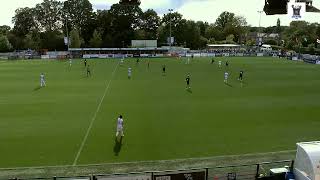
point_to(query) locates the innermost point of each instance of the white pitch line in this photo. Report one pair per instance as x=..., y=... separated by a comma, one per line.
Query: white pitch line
x=94, y=117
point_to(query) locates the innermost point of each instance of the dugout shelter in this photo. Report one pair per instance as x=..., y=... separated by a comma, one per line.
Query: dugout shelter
x=307, y=163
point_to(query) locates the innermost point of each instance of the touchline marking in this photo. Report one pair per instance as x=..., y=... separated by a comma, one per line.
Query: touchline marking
x=94, y=117
x=156, y=161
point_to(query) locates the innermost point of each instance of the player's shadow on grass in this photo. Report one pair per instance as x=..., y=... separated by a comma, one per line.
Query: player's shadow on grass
x=37, y=88
x=189, y=91
x=243, y=84
x=117, y=146
x=228, y=84
x=85, y=77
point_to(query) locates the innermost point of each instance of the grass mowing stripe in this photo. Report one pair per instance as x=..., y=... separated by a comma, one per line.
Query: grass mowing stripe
x=94, y=117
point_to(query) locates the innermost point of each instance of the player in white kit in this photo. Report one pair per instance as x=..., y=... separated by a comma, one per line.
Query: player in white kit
x=226, y=77
x=121, y=61
x=70, y=64
x=129, y=73
x=42, y=80
x=120, y=127
x=220, y=63
x=188, y=61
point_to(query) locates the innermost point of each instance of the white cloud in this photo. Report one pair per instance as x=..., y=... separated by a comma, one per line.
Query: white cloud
x=8, y=8
x=155, y=4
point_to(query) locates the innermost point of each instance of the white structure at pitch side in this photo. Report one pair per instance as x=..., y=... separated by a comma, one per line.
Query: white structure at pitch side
x=307, y=163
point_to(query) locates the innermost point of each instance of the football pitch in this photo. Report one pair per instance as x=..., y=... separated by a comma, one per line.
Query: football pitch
x=72, y=121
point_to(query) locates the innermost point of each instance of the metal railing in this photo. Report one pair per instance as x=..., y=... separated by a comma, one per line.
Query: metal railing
x=230, y=172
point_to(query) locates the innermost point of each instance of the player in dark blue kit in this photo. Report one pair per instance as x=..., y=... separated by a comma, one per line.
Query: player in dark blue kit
x=240, y=76
x=212, y=60
x=164, y=70
x=188, y=81
x=85, y=62
x=88, y=71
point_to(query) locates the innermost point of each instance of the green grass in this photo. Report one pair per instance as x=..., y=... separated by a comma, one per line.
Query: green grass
x=277, y=106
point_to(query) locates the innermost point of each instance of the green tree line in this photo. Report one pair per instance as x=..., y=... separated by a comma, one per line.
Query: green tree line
x=45, y=26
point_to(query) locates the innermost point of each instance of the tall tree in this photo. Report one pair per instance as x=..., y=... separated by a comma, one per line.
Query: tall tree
x=130, y=15
x=104, y=25
x=52, y=40
x=229, y=23
x=203, y=27
x=150, y=23
x=230, y=39
x=24, y=21
x=103, y=20
x=44, y=26
x=125, y=20
x=48, y=14
x=318, y=31
x=32, y=41
x=162, y=35
x=79, y=14
x=242, y=26
x=4, y=44
x=16, y=41
x=129, y=2
x=177, y=23
x=191, y=35
x=224, y=19
x=75, y=39
x=4, y=30
x=318, y=35
x=172, y=18
x=296, y=34
x=214, y=34
x=96, y=40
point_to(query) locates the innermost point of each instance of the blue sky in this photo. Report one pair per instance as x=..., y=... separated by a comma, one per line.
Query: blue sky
x=205, y=10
